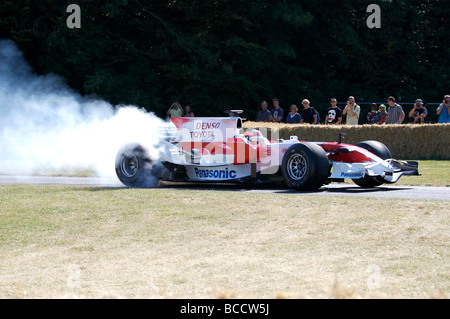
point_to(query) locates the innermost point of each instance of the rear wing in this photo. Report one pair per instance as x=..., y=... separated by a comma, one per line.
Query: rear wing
x=207, y=129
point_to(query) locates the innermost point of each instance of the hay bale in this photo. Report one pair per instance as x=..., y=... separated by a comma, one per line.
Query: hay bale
x=407, y=141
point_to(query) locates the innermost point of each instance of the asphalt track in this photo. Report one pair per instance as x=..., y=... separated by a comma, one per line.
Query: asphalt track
x=341, y=189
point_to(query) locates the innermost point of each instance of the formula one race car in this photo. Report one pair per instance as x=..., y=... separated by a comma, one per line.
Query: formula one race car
x=201, y=149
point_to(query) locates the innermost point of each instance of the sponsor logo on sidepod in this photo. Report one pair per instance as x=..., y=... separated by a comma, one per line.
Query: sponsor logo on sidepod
x=215, y=173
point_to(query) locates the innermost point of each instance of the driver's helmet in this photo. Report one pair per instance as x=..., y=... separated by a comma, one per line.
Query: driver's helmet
x=254, y=136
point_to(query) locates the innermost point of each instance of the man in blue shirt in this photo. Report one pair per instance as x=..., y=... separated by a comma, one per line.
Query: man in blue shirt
x=444, y=110
x=277, y=112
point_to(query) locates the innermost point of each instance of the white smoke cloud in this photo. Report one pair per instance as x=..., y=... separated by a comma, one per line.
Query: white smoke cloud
x=44, y=125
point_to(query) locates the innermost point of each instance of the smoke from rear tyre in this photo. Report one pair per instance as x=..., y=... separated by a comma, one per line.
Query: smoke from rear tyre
x=135, y=168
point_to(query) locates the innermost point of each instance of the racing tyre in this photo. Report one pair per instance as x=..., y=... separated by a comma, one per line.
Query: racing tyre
x=135, y=168
x=305, y=166
x=380, y=150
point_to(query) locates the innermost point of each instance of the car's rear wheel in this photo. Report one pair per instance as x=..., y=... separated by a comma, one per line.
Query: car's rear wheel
x=135, y=168
x=380, y=150
x=305, y=166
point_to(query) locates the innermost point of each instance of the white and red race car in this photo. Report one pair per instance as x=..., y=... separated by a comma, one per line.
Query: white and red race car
x=213, y=149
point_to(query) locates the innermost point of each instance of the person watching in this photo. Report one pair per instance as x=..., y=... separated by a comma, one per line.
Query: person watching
x=444, y=110
x=373, y=117
x=293, y=116
x=334, y=113
x=277, y=112
x=308, y=113
x=175, y=110
x=395, y=113
x=382, y=113
x=188, y=112
x=264, y=114
x=418, y=112
x=352, y=110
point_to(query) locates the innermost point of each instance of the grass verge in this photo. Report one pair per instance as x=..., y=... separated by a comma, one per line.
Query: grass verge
x=58, y=242
x=433, y=173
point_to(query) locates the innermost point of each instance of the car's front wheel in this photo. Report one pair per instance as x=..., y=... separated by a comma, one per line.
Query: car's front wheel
x=305, y=166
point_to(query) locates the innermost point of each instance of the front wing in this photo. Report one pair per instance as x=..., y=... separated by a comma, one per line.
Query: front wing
x=390, y=170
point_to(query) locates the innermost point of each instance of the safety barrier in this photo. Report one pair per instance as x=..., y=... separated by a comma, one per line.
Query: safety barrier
x=406, y=141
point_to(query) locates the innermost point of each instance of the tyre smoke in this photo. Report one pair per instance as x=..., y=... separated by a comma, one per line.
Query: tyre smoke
x=47, y=127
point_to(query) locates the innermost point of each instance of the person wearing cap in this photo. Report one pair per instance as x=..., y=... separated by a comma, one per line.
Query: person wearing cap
x=444, y=110
x=382, y=113
x=418, y=113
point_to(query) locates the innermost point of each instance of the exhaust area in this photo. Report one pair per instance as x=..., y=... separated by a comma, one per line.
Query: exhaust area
x=48, y=128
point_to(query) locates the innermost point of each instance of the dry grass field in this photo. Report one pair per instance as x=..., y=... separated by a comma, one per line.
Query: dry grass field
x=433, y=173
x=67, y=242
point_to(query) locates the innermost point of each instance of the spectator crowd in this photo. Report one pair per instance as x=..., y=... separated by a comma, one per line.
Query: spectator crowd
x=393, y=113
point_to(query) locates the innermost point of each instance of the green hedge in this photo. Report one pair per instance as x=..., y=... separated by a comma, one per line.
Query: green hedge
x=426, y=141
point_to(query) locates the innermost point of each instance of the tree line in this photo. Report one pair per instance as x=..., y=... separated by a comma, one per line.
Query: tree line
x=220, y=54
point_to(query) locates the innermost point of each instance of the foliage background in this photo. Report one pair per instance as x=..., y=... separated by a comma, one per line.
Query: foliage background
x=221, y=54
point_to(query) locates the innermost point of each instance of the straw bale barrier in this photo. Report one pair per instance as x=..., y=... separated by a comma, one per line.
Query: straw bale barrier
x=426, y=141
